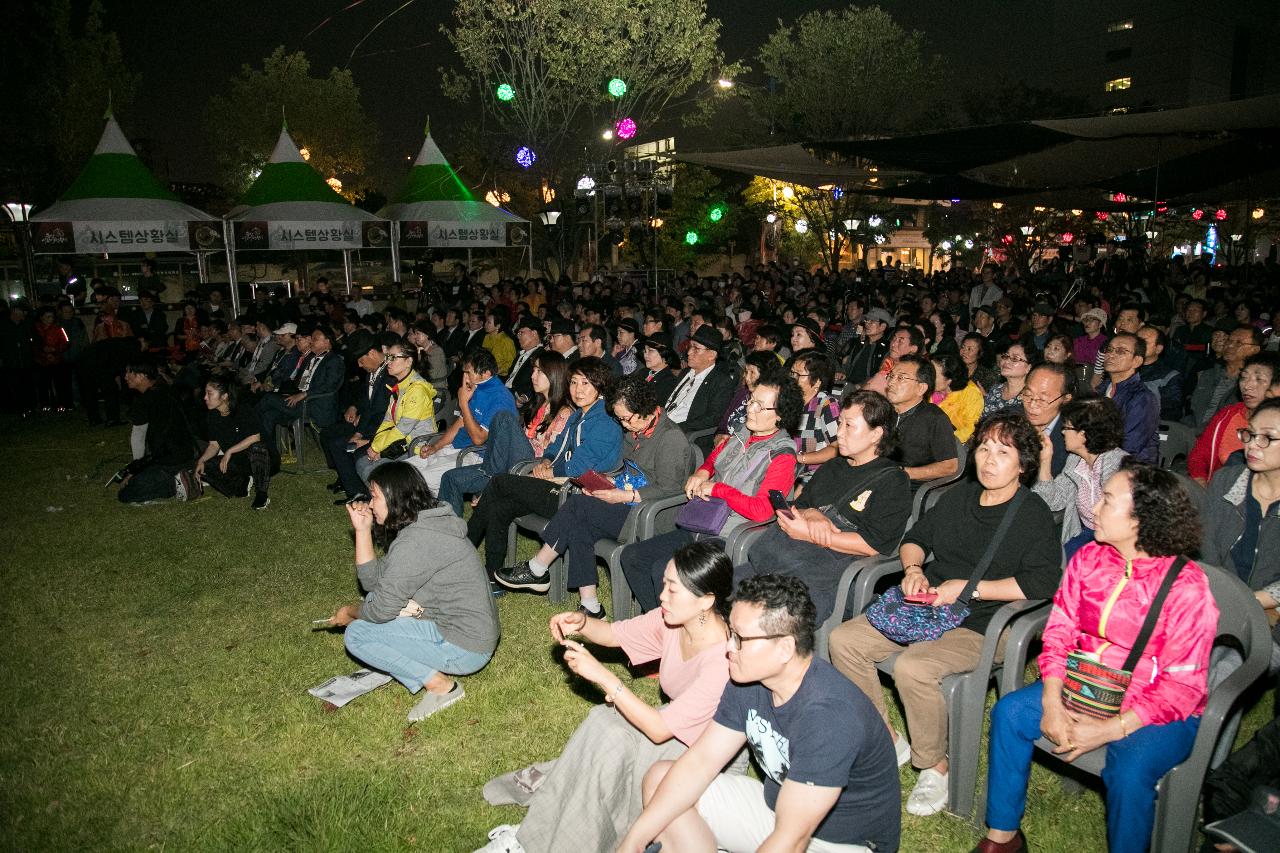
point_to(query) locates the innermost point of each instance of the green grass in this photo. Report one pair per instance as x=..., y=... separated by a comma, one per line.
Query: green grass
x=157, y=660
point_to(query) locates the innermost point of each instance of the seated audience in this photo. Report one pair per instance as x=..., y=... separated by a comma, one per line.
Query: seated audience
x=829, y=780
x=322, y=375
x=1047, y=391
x=855, y=505
x=926, y=443
x=1092, y=429
x=1159, y=375
x=427, y=614
x=760, y=364
x=703, y=390
x=1216, y=386
x=656, y=459
x=660, y=364
x=410, y=414
x=1259, y=380
x=368, y=396
x=164, y=470
x=957, y=533
x=815, y=436
x=738, y=474
x=599, y=773
x=975, y=352
x=1143, y=522
x=962, y=400
x=1122, y=357
x=1015, y=363
x=235, y=459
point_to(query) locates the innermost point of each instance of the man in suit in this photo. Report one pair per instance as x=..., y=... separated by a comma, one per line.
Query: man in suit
x=453, y=337
x=703, y=391
x=367, y=406
x=529, y=339
x=148, y=322
x=317, y=387
x=473, y=340
x=1047, y=390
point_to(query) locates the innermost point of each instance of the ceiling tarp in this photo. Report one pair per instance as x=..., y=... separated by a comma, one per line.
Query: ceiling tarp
x=790, y=163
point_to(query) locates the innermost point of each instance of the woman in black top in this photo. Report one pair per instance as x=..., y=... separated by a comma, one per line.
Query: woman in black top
x=661, y=363
x=238, y=456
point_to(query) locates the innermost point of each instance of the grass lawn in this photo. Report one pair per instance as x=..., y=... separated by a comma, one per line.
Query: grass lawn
x=157, y=662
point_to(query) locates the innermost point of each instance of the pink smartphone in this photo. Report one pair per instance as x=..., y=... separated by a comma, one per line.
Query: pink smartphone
x=922, y=599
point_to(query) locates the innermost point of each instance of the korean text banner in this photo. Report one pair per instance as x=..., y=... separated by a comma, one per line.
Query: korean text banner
x=443, y=234
x=145, y=236
x=297, y=235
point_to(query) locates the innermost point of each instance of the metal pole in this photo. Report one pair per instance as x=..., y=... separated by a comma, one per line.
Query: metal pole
x=395, y=250
x=346, y=268
x=228, y=237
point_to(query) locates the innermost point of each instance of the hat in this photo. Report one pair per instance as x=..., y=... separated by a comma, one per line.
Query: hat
x=810, y=326
x=659, y=341
x=985, y=309
x=879, y=315
x=287, y=329
x=628, y=324
x=1096, y=313
x=528, y=321
x=1043, y=308
x=708, y=337
x=1226, y=324
x=1005, y=301
x=563, y=327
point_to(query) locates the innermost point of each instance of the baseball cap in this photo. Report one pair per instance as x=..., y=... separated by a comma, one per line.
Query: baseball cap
x=879, y=315
x=287, y=329
x=1096, y=313
x=1043, y=308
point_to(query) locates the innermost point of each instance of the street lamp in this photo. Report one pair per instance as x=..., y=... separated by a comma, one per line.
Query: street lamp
x=549, y=217
x=1027, y=230
x=852, y=224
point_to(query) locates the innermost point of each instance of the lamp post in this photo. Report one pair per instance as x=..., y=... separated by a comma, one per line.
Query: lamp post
x=550, y=218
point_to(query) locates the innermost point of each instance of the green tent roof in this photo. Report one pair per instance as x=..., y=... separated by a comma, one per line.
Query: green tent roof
x=289, y=188
x=433, y=191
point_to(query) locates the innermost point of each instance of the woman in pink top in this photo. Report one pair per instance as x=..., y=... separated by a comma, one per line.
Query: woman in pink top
x=597, y=777
x=1143, y=521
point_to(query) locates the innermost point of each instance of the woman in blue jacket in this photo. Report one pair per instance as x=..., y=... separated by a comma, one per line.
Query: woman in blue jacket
x=590, y=441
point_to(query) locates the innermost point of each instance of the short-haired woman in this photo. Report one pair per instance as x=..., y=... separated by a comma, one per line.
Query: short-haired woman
x=591, y=441
x=957, y=532
x=598, y=775
x=1092, y=429
x=411, y=410
x=761, y=364
x=428, y=613
x=1015, y=362
x=962, y=399
x=1142, y=522
x=235, y=445
x=663, y=456
x=856, y=505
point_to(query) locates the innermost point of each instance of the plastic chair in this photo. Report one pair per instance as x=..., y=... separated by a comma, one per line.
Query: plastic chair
x=1199, y=494
x=965, y=692
x=1176, y=441
x=1240, y=621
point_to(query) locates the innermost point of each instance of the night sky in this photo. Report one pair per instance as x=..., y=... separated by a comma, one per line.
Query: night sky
x=186, y=51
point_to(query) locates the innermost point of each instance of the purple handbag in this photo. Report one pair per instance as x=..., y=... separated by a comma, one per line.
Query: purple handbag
x=699, y=516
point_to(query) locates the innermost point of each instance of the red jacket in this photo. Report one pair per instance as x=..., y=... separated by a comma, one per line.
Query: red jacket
x=1099, y=607
x=1217, y=442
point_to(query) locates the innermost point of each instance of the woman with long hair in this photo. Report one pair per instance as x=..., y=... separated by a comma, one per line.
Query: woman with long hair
x=598, y=774
x=427, y=614
x=239, y=457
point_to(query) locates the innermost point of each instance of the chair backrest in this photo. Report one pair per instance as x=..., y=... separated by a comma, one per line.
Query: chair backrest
x=1176, y=441
x=1239, y=614
x=1199, y=495
x=929, y=491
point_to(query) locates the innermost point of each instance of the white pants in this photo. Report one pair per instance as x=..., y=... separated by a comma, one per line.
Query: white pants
x=433, y=467
x=734, y=807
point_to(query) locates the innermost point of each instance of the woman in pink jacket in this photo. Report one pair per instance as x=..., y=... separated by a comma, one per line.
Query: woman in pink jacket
x=1143, y=521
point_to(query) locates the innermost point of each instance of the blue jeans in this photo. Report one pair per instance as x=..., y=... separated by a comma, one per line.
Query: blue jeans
x=410, y=650
x=1075, y=543
x=1134, y=765
x=455, y=484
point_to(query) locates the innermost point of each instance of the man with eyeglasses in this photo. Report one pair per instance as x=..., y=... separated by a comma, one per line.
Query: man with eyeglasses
x=702, y=393
x=359, y=422
x=830, y=779
x=1047, y=390
x=1259, y=381
x=1217, y=386
x=926, y=439
x=1122, y=356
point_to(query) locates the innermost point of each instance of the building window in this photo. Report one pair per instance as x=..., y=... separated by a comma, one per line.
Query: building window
x=1119, y=84
x=1120, y=26
x=1119, y=54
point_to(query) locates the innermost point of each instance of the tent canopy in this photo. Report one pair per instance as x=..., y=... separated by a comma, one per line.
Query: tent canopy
x=290, y=190
x=115, y=186
x=433, y=192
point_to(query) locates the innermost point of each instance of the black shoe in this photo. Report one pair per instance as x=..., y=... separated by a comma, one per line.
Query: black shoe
x=594, y=614
x=335, y=486
x=261, y=501
x=521, y=577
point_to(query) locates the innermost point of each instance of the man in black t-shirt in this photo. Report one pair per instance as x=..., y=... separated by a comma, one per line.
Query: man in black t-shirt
x=169, y=449
x=926, y=438
x=830, y=780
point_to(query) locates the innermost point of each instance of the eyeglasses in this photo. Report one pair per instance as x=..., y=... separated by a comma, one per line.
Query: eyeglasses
x=1037, y=402
x=1116, y=351
x=394, y=357
x=796, y=375
x=1013, y=358
x=901, y=377
x=1248, y=437
x=754, y=405
x=736, y=640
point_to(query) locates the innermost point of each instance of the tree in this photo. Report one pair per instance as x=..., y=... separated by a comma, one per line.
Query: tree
x=1004, y=99
x=833, y=216
x=323, y=114
x=558, y=57
x=60, y=78
x=842, y=74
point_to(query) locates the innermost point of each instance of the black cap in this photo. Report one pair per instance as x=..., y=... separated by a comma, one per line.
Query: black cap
x=811, y=326
x=986, y=309
x=628, y=324
x=528, y=321
x=708, y=337
x=563, y=327
x=660, y=341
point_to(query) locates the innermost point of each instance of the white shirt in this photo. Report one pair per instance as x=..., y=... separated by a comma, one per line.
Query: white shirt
x=309, y=371
x=519, y=363
x=983, y=294
x=677, y=408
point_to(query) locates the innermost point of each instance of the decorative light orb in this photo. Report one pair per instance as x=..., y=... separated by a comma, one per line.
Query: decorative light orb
x=802, y=226
x=525, y=157
x=1258, y=213
x=874, y=221
x=837, y=193
x=1102, y=215
x=771, y=218
x=656, y=222
x=586, y=183
x=968, y=244
x=946, y=245
x=1119, y=197
x=1007, y=239
x=617, y=87
x=1075, y=211
x=1068, y=237
x=1197, y=214
x=306, y=154
x=691, y=237
x=997, y=204
x=724, y=83
x=606, y=134
x=1161, y=207
x=880, y=239
x=1220, y=214
x=788, y=193
x=716, y=213
x=625, y=128
x=335, y=184
x=1039, y=209
x=506, y=92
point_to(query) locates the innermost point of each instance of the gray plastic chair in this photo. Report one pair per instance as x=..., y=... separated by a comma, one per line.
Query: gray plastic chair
x=1177, y=794
x=1176, y=441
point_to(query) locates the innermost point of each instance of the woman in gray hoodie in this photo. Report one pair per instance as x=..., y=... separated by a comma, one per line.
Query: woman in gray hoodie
x=428, y=613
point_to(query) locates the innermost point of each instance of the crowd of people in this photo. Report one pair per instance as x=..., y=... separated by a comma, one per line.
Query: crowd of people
x=811, y=405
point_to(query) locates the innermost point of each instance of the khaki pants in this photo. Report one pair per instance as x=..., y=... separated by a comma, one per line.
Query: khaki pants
x=856, y=648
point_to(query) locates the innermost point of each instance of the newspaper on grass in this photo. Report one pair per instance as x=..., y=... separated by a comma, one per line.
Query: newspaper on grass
x=341, y=689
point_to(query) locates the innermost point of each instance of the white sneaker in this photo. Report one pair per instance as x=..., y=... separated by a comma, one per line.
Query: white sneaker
x=502, y=839
x=929, y=795
x=902, y=748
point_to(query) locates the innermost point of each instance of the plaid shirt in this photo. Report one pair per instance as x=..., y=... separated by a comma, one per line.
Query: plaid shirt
x=818, y=427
